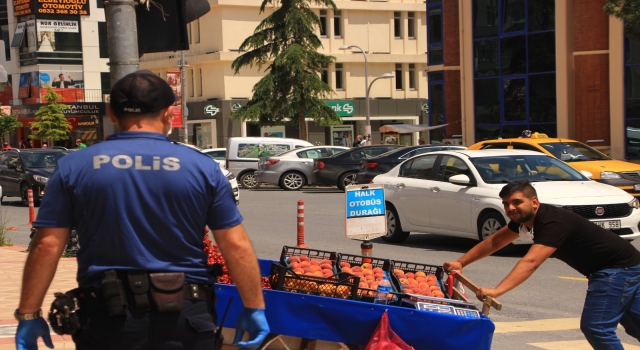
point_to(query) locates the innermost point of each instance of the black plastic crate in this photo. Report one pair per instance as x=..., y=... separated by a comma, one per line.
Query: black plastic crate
x=310, y=253
x=341, y=285
x=368, y=294
x=406, y=266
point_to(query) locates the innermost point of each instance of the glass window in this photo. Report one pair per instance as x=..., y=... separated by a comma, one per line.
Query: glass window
x=485, y=18
x=435, y=55
x=323, y=23
x=426, y=150
x=633, y=139
x=632, y=91
x=434, y=76
x=5, y=38
x=105, y=82
x=451, y=166
x=313, y=153
x=336, y=150
x=542, y=15
x=398, y=77
x=412, y=76
x=248, y=150
x=324, y=75
x=542, y=52
x=631, y=51
x=100, y=4
x=358, y=155
x=573, y=151
x=103, y=40
x=514, y=16
x=542, y=98
x=524, y=146
x=217, y=155
x=486, y=62
x=515, y=102
x=339, y=77
x=502, y=145
x=435, y=25
x=337, y=24
x=513, y=53
x=397, y=25
x=419, y=167
x=411, y=25
x=436, y=111
x=487, y=93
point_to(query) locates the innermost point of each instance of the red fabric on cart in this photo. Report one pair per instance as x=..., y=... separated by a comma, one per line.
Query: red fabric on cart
x=384, y=338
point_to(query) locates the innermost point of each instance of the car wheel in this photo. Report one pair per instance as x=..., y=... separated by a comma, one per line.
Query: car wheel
x=24, y=194
x=292, y=181
x=394, y=228
x=490, y=224
x=249, y=180
x=346, y=180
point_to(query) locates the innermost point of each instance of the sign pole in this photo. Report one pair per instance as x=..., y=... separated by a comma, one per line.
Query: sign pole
x=122, y=36
x=365, y=215
x=183, y=89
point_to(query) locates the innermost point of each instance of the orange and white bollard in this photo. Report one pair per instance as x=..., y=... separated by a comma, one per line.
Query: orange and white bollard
x=366, y=248
x=301, y=225
x=32, y=210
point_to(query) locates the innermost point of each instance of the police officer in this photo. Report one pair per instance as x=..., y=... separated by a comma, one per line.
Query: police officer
x=140, y=204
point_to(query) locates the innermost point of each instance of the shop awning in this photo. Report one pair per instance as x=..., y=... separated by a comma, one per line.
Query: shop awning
x=408, y=128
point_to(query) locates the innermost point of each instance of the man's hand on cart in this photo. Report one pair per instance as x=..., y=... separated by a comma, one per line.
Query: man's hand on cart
x=483, y=293
x=450, y=266
x=254, y=322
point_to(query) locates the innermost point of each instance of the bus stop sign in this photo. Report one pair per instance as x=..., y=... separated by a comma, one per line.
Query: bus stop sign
x=365, y=212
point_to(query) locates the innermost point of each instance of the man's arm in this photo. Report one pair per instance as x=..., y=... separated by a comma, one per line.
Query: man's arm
x=45, y=252
x=242, y=264
x=537, y=254
x=483, y=249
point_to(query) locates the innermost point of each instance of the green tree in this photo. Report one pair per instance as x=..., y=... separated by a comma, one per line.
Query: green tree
x=51, y=124
x=292, y=87
x=629, y=12
x=8, y=124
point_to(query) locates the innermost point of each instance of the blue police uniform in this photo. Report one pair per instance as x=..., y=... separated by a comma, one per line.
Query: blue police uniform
x=140, y=202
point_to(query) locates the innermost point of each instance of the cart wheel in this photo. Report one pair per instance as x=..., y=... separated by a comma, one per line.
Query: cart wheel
x=273, y=339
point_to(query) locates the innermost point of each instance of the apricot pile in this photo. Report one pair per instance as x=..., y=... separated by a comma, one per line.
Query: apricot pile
x=369, y=277
x=304, y=265
x=419, y=283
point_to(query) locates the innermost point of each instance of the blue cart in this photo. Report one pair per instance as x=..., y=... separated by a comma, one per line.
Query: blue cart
x=352, y=323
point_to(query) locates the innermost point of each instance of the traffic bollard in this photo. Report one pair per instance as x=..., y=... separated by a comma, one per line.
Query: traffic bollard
x=301, y=225
x=366, y=248
x=32, y=210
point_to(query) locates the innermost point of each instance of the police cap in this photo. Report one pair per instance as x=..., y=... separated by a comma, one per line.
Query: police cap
x=141, y=92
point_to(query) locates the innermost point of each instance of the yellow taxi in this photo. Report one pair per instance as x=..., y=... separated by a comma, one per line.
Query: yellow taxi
x=619, y=173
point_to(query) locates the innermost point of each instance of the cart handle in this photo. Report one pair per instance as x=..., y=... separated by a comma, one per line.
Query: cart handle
x=486, y=304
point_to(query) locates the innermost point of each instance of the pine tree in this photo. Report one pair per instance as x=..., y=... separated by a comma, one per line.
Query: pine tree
x=292, y=87
x=8, y=124
x=629, y=12
x=51, y=124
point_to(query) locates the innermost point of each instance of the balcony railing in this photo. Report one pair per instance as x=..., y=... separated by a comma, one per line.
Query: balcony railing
x=78, y=94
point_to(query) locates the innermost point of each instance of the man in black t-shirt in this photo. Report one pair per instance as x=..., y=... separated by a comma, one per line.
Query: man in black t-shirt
x=611, y=264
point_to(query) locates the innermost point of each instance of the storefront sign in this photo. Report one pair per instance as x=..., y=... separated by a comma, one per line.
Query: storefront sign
x=62, y=7
x=6, y=110
x=365, y=211
x=343, y=108
x=211, y=110
x=47, y=25
x=235, y=107
x=174, y=79
x=22, y=8
x=79, y=108
x=425, y=107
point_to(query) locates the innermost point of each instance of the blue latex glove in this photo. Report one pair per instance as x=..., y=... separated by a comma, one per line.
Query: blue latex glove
x=28, y=333
x=255, y=323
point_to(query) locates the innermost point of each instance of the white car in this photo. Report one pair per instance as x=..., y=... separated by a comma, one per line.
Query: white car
x=455, y=193
x=217, y=154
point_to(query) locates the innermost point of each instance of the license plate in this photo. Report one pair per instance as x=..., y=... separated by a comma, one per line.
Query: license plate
x=611, y=224
x=636, y=187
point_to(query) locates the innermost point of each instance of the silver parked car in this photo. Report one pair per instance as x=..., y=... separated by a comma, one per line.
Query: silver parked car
x=292, y=170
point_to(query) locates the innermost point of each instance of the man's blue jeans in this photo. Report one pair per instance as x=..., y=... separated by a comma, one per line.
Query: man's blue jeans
x=613, y=297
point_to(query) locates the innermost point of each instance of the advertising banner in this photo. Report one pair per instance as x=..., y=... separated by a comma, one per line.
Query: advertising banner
x=47, y=29
x=365, y=211
x=62, y=7
x=22, y=8
x=174, y=80
x=32, y=41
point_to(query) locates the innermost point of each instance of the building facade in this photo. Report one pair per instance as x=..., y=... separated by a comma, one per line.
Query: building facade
x=60, y=45
x=560, y=67
x=392, y=33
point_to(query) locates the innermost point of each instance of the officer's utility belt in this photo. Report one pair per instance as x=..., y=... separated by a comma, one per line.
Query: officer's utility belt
x=149, y=291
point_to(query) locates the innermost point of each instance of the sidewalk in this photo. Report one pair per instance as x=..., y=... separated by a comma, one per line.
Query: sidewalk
x=11, y=264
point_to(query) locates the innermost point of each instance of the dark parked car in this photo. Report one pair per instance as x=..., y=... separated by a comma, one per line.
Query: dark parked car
x=381, y=164
x=341, y=169
x=27, y=169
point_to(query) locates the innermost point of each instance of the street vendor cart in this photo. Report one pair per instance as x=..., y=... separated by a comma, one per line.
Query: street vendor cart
x=352, y=322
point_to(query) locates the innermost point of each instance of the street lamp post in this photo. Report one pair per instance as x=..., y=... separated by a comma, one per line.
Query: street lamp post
x=367, y=87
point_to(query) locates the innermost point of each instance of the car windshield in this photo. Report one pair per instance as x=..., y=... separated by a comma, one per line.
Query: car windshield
x=573, y=151
x=41, y=159
x=518, y=167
